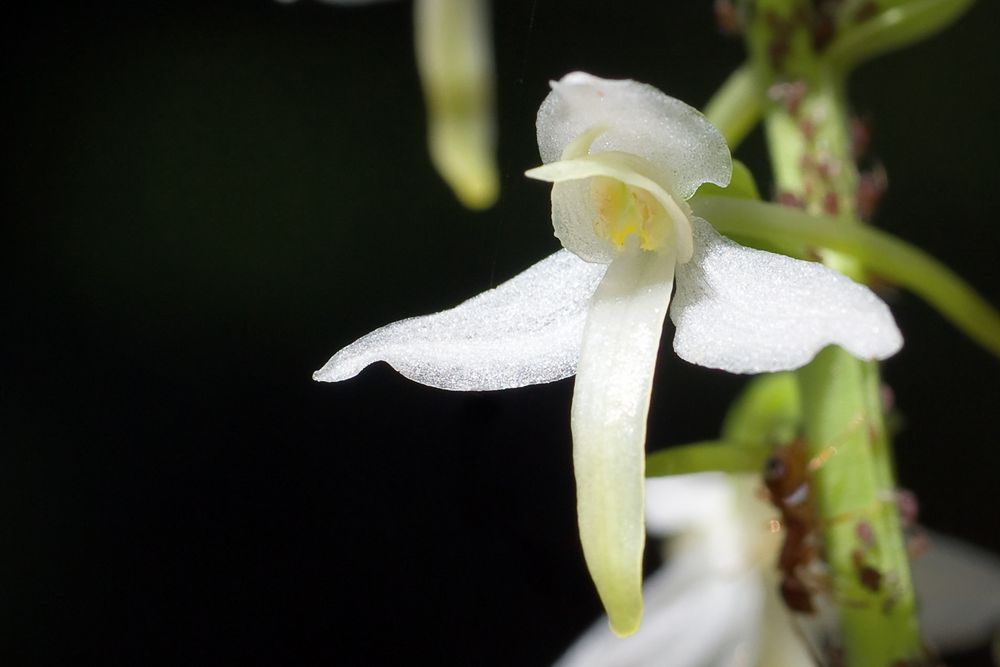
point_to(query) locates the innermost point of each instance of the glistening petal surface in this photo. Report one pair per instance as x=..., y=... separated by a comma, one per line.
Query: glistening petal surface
x=639, y=119
x=525, y=331
x=748, y=311
x=610, y=402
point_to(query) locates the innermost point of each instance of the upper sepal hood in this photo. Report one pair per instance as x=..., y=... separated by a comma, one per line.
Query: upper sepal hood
x=637, y=119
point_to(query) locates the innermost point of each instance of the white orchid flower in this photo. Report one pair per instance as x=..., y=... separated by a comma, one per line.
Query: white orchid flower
x=624, y=158
x=716, y=601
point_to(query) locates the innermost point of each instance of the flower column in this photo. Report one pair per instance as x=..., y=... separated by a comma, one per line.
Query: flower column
x=807, y=130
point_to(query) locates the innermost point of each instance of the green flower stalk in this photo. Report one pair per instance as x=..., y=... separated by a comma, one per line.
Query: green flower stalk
x=853, y=485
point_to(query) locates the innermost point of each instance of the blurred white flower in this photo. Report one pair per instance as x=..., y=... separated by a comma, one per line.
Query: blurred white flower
x=624, y=158
x=958, y=590
x=716, y=602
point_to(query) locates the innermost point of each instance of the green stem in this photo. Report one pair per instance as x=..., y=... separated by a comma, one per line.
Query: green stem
x=891, y=258
x=811, y=156
x=737, y=106
x=806, y=127
x=894, y=553
x=854, y=491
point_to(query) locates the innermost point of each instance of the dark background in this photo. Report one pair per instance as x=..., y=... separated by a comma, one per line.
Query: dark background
x=207, y=199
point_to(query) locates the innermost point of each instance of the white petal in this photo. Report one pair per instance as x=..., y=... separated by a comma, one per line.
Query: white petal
x=958, y=590
x=683, y=502
x=695, y=618
x=610, y=403
x=722, y=512
x=525, y=331
x=749, y=311
x=639, y=119
x=572, y=202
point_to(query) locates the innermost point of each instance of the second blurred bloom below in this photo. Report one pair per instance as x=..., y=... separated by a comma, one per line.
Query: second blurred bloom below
x=716, y=601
